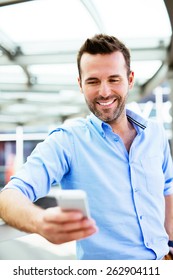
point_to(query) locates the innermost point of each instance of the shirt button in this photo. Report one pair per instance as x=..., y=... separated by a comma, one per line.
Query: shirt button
x=140, y=217
x=116, y=139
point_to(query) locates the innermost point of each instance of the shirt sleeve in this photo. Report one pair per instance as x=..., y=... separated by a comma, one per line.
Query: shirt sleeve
x=46, y=166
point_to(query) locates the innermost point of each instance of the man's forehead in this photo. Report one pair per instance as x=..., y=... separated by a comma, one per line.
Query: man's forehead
x=103, y=62
x=87, y=57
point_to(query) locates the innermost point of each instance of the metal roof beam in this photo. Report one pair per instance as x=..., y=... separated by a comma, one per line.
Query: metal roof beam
x=169, y=6
x=167, y=65
x=157, y=79
x=37, y=87
x=11, y=2
x=70, y=57
x=8, y=47
x=90, y=7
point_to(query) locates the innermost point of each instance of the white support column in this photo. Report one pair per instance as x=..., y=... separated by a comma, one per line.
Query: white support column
x=19, y=147
x=159, y=103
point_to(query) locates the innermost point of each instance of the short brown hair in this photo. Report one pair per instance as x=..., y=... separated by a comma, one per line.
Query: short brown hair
x=103, y=44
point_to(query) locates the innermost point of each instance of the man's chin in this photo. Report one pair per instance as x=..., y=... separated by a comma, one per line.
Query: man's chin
x=104, y=118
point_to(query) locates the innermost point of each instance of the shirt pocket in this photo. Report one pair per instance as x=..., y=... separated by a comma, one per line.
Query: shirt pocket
x=154, y=176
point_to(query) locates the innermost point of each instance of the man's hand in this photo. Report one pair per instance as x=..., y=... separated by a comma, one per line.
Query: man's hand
x=55, y=225
x=59, y=226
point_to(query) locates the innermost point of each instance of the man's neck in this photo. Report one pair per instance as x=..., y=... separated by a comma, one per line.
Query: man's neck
x=125, y=130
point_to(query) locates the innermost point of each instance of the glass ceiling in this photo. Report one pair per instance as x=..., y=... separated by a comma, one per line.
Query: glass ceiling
x=39, y=42
x=54, y=20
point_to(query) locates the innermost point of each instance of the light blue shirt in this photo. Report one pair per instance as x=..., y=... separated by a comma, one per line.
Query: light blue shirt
x=125, y=190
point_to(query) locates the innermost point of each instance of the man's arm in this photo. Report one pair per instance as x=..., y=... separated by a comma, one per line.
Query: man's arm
x=169, y=217
x=52, y=223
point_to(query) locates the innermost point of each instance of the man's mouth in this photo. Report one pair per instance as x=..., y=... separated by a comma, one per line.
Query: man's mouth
x=108, y=103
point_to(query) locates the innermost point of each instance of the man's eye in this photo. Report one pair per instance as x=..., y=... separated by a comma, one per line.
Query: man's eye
x=114, y=80
x=92, y=82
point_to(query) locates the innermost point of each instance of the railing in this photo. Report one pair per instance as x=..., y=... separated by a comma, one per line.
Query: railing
x=7, y=232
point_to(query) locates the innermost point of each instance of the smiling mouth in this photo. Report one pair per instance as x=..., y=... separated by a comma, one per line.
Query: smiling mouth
x=108, y=103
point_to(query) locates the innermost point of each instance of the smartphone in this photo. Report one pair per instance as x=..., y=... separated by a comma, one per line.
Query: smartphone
x=73, y=200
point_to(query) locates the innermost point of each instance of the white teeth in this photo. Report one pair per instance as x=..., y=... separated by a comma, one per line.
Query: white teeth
x=106, y=103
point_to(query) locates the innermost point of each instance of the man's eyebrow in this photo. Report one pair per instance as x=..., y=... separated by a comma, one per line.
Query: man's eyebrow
x=115, y=76
x=95, y=78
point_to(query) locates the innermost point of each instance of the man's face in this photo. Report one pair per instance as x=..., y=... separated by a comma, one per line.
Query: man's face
x=105, y=84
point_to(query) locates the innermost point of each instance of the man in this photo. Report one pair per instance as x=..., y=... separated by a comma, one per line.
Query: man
x=122, y=161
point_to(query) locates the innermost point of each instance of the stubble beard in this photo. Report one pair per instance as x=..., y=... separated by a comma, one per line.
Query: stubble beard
x=108, y=115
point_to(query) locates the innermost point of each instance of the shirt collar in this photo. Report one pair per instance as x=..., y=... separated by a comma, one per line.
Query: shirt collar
x=99, y=124
x=139, y=122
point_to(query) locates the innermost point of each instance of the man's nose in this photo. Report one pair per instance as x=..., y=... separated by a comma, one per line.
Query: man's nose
x=104, y=90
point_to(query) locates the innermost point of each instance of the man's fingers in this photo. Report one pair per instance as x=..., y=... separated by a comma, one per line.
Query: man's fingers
x=76, y=225
x=55, y=214
x=63, y=226
x=74, y=235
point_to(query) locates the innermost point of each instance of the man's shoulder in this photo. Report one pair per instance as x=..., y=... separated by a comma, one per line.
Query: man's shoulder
x=71, y=125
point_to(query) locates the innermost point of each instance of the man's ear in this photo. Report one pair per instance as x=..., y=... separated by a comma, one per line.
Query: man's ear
x=80, y=85
x=131, y=79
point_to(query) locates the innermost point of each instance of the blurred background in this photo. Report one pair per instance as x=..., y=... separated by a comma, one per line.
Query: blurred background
x=39, y=40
